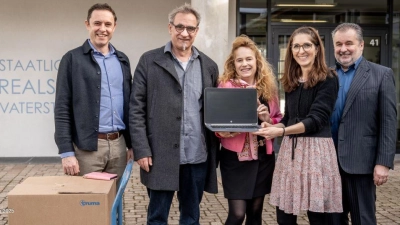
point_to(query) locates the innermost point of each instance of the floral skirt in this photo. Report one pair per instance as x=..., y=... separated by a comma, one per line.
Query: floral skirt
x=311, y=181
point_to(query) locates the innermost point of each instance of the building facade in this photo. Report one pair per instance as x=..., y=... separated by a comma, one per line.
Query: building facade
x=271, y=22
x=36, y=34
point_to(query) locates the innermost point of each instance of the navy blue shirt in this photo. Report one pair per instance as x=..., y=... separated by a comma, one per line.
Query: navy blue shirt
x=345, y=79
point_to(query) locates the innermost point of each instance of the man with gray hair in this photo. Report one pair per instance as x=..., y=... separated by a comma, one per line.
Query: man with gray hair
x=172, y=146
x=363, y=125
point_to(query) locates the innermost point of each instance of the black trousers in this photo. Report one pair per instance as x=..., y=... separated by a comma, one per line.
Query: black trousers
x=359, y=196
x=192, y=178
x=314, y=218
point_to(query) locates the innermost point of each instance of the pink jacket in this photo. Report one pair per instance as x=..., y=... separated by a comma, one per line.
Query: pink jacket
x=236, y=143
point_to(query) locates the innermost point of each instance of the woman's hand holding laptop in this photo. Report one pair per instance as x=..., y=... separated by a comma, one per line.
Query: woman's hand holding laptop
x=227, y=134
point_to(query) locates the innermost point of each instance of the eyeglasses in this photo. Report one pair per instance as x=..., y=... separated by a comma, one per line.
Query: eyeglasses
x=305, y=46
x=180, y=28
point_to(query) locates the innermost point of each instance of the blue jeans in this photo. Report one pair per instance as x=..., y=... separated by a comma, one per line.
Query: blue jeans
x=191, y=186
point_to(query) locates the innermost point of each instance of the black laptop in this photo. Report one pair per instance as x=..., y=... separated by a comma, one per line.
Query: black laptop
x=231, y=109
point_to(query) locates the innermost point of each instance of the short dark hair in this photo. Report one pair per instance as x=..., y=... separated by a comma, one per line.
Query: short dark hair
x=100, y=6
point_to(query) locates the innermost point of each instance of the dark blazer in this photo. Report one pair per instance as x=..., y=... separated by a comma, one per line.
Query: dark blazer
x=77, y=105
x=155, y=119
x=367, y=130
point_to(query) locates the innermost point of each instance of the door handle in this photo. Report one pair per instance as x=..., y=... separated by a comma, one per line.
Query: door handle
x=273, y=37
x=386, y=38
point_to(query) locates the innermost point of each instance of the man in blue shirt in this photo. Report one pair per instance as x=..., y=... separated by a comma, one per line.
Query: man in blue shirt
x=363, y=125
x=92, y=101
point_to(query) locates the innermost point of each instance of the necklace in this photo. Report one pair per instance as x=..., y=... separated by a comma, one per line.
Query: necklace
x=302, y=80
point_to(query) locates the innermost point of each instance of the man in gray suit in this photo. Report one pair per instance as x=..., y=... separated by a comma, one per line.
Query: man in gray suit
x=363, y=124
x=172, y=146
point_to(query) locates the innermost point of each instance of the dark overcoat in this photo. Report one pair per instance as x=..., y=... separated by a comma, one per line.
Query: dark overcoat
x=156, y=115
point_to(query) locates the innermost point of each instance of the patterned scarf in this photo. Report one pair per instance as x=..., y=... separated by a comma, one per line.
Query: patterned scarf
x=250, y=148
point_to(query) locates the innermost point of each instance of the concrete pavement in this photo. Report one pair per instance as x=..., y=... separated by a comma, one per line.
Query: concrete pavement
x=213, y=207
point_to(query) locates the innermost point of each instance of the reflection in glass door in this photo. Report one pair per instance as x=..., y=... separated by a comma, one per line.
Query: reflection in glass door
x=261, y=44
x=372, y=49
x=283, y=41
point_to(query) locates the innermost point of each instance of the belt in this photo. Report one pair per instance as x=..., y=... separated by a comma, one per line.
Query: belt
x=294, y=143
x=110, y=136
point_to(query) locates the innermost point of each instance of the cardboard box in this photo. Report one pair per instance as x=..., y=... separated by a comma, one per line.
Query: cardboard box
x=61, y=200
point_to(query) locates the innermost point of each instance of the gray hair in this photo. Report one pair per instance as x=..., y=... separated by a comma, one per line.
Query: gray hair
x=348, y=26
x=185, y=9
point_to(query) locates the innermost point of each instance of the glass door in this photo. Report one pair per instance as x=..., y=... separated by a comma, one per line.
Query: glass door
x=376, y=46
x=375, y=49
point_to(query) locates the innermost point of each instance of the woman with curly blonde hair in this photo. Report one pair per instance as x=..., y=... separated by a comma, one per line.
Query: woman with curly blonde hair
x=247, y=161
x=264, y=76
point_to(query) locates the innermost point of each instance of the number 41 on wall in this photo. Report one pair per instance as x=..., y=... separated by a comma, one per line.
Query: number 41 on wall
x=374, y=42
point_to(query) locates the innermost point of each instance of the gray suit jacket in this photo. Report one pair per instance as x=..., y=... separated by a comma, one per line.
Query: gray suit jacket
x=367, y=130
x=155, y=119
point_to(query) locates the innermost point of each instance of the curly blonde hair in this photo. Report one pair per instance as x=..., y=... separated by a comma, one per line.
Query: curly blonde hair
x=265, y=79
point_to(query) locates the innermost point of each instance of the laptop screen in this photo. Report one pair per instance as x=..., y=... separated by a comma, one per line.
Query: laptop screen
x=230, y=105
